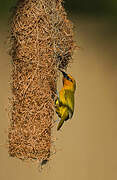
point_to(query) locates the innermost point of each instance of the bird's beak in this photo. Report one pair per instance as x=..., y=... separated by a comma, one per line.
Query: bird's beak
x=64, y=74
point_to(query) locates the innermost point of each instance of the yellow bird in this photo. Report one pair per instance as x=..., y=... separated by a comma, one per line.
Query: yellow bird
x=64, y=104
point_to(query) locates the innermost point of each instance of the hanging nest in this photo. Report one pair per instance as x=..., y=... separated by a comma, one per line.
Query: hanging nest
x=41, y=41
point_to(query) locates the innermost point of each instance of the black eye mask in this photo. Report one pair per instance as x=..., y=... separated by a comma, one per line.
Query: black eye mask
x=66, y=76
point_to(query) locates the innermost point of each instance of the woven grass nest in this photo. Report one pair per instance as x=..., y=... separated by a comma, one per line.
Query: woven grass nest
x=41, y=42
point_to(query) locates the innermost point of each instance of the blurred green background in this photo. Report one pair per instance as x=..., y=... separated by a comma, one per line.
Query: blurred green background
x=97, y=7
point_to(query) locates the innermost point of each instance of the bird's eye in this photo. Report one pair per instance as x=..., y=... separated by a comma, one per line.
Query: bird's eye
x=68, y=78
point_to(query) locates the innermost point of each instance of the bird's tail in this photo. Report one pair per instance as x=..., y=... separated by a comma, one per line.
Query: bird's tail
x=60, y=124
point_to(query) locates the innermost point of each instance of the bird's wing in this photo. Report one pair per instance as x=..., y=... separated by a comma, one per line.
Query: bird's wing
x=64, y=116
x=69, y=98
x=57, y=102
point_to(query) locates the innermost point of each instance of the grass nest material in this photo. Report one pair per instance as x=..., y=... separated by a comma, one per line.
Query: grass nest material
x=41, y=41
